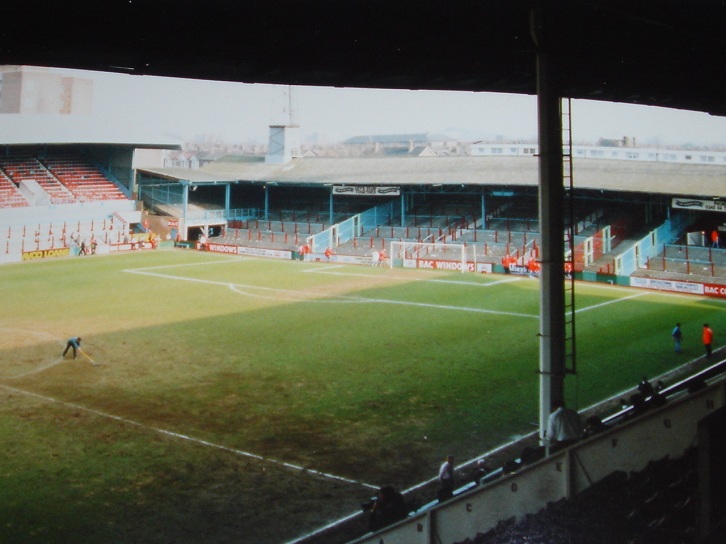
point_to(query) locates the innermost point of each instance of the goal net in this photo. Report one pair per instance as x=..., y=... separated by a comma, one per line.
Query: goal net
x=433, y=255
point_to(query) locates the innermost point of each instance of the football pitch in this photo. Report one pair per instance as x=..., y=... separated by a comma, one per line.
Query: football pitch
x=252, y=400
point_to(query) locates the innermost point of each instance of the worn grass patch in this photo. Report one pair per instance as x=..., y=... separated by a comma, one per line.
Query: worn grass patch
x=243, y=400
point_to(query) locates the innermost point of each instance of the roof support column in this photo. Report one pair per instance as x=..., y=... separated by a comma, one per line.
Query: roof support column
x=403, y=208
x=551, y=198
x=330, y=207
x=185, y=209
x=483, y=222
x=267, y=202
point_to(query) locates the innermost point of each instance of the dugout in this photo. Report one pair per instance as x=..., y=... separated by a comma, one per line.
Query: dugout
x=196, y=204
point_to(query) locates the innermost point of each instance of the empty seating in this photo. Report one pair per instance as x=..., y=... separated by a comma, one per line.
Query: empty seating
x=64, y=178
x=10, y=195
x=20, y=168
x=85, y=182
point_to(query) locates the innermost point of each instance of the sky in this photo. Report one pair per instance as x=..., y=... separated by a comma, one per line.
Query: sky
x=240, y=113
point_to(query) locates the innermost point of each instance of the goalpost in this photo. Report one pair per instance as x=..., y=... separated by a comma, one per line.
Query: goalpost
x=434, y=255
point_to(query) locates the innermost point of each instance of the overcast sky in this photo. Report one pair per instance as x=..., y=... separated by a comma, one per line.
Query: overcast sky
x=237, y=112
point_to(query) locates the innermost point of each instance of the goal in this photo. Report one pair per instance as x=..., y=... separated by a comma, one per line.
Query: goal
x=434, y=255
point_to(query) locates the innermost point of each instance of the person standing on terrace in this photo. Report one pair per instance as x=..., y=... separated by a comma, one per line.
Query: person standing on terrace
x=677, y=337
x=707, y=339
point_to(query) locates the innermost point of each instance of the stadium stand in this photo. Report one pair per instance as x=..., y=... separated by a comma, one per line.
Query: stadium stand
x=63, y=178
x=611, y=487
x=656, y=504
x=86, y=182
x=27, y=169
x=56, y=201
x=581, y=33
x=10, y=195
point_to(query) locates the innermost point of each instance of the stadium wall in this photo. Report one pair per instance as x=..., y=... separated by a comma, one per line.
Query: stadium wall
x=629, y=446
x=73, y=217
x=79, y=211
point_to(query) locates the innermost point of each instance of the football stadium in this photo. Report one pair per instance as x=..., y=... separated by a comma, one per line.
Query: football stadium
x=368, y=348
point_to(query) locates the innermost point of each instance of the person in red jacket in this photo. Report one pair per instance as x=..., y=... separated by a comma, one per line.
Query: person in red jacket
x=707, y=339
x=533, y=268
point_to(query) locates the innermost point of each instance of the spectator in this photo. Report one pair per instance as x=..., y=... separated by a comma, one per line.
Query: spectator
x=568, y=269
x=446, y=479
x=707, y=339
x=594, y=425
x=482, y=469
x=714, y=238
x=388, y=507
x=677, y=337
x=564, y=427
x=73, y=343
x=533, y=268
x=645, y=388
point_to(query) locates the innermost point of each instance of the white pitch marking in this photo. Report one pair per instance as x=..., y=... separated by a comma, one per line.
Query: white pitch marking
x=477, y=284
x=38, y=334
x=294, y=296
x=654, y=292
x=406, y=278
x=234, y=286
x=614, y=301
x=188, y=438
x=324, y=269
x=36, y=370
x=181, y=265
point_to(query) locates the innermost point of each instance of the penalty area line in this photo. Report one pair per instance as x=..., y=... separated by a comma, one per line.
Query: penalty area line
x=329, y=271
x=228, y=260
x=237, y=287
x=607, y=303
x=198, y=441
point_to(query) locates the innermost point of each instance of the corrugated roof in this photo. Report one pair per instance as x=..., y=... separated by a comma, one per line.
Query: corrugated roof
x=188, y=174
x=610, y=175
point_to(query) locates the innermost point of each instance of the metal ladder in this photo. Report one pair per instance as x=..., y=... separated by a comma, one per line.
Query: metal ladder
x=570, y=220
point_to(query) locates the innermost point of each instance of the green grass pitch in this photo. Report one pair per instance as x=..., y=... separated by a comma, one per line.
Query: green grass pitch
x=221, y=378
